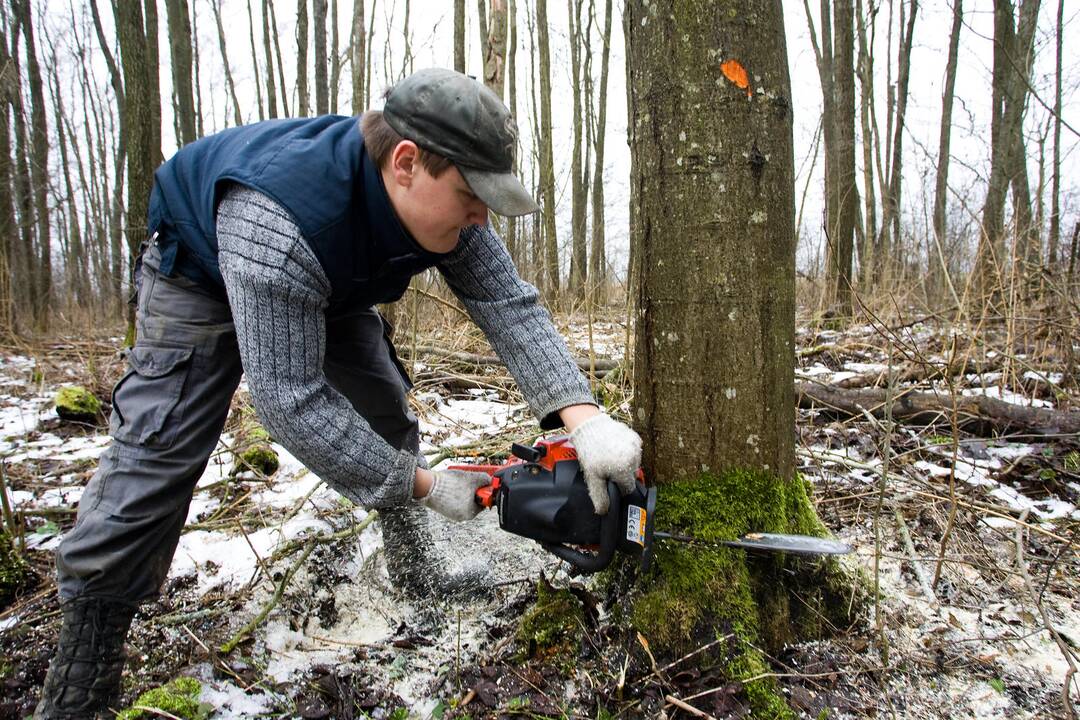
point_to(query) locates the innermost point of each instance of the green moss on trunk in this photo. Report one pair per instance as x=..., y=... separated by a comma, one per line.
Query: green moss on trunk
x=695, y=594
x=552, y=628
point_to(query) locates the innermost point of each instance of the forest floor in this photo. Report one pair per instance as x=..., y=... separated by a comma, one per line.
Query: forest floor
x=969, y=535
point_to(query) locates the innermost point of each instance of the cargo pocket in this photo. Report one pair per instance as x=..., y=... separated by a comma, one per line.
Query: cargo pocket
x=146, y=401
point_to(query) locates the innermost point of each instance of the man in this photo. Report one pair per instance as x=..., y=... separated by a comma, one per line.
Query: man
x=270, y=245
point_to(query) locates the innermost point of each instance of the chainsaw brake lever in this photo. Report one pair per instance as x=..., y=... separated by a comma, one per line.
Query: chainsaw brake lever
x=609, y=539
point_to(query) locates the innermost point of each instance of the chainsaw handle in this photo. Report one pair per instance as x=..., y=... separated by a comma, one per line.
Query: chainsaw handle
x=609, y=539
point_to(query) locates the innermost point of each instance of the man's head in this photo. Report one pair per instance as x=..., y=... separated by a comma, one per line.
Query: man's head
x=445, y=145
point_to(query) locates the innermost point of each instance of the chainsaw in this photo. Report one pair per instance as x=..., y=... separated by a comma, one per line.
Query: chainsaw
x=540, y=494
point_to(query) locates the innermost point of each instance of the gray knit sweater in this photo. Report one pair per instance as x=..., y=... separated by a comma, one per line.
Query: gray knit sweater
x=278, y=293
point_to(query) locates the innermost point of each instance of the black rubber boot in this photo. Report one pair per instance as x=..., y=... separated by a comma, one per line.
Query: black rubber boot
x=84, y=677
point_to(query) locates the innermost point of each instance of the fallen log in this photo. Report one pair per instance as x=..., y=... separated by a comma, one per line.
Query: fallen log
x=975, y=413
x=600, y=364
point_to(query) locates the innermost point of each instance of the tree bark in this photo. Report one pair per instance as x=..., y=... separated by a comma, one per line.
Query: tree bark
x=547, y=161
x=179, y=19
x=357, y=51
x=459, y=35
x=598, y=251
x=280, y=65
x=481, y=13
x=512, y=228
x=8, y=230
x=322, y=85
x=578, y=260
x=303, y=107
x=495, y=48
x=335, y=58
x=937, y=267
x=153, y=80
x=1054, y=238
x=367, y=63
x=271, y=85
x=255, y=63
x=712, y=175
x=237, y=117
x=842, y=185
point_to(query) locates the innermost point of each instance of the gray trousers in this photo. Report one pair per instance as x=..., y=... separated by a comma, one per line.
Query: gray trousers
x=168, y=412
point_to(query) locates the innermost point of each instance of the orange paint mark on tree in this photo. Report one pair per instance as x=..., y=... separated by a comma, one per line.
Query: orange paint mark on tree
x=735, y=72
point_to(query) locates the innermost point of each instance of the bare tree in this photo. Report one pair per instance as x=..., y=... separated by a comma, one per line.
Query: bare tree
x=280, y=63
x=180, y=52
x=936, y=265
x=255, y=62
x=322, y=86
x=598, y=251
x=495, y=47
x=1055, y=172
x=357, y=50
x=302, y=101
x=271, y=85
x=547, y=161
x=578, y=260
x=459, y=35
x=238, y=119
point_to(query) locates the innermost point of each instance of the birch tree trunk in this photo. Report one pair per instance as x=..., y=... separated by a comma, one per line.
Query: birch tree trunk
x=179, y=19
x=714, y=361
x=495, y=48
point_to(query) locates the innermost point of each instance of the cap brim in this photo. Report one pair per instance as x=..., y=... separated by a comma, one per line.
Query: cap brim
x=503, y=193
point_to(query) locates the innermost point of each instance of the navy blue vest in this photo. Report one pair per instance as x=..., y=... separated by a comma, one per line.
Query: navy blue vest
x=319, y=170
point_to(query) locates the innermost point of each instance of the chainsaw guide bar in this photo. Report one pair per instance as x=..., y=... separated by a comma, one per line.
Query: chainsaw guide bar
x=768, y=542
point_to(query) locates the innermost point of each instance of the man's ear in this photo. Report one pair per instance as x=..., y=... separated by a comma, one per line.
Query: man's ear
x=404, y=161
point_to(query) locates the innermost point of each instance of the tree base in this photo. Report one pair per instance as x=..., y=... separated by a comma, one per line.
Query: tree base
x=757, y=603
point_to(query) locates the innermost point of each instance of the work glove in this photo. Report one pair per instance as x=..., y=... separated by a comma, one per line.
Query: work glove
x=453, y=493
x=608, y=451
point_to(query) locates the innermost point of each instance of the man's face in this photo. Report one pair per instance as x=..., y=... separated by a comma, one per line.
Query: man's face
x=433, y=210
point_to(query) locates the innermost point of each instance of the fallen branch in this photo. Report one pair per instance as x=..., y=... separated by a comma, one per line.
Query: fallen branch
x=476, y=359
x=977, y=413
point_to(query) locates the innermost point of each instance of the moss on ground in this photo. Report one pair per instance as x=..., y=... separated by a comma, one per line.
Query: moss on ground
x=257, y=455
x=74, y=402
x=179, y=697
x=14, y=570
x=552, y=628
x=758, y=603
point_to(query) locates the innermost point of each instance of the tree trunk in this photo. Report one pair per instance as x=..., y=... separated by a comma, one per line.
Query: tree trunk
x=271, y=85
x=578, y=258
x=280, y=64
x=459, y=35
x=302, y=104
x=39, y=168
x=547, y=161
x=179, y=19
x=511, y=71
x=357, y=57
x=335, y=58
x=367, y=63
x=481, y=13
x=73, y=258
x=842, y=182
x=598, y=251
x=322, y=85
x=138, y=65
x=1054, y=238
x=891, y=200
x=495, y=48
x=714, y=360
x=868, y=123
x=200, y=130
x=153, y=79
x=255, y=63
x=8, y=233
x=237, y=117
x=937, y=268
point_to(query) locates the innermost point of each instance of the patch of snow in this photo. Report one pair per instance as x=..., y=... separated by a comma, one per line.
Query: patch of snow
x=9, y=623
x=815, y=370
x=60, y=497
x=230, y=701
x=861, y=367
x=993, y=391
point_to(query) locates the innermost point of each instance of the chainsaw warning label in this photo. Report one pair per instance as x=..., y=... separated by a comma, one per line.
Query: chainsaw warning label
x=635, y=525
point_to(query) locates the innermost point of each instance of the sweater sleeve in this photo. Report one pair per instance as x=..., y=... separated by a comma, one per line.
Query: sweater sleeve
x=482, y=275
x=278, y=293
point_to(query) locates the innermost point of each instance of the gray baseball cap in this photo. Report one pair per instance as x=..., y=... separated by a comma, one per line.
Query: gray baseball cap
x=455, y=116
